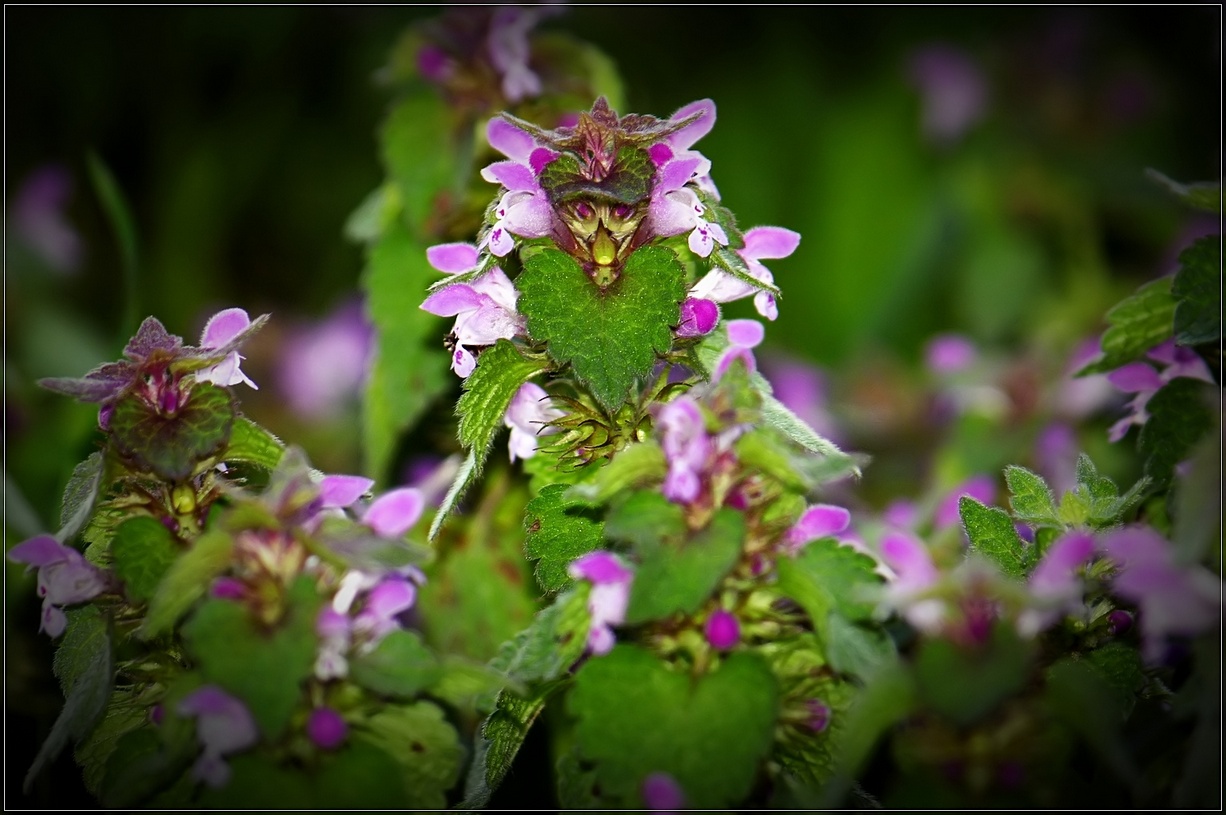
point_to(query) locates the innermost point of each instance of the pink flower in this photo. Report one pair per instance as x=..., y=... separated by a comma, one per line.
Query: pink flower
x=223, y=725
x=1173, y=600
x=818, y=521
x=221, y=328
x=698, y=317
x=687, y=448
x=761, y=243
x=484, y=309
x=953, y=90
x=524, y=209
x=610, y=595
x=743, y=337
x=528, y=416
x=723, y=630
x=1055, y=586
x=327, y=728
x=64, y=577
x=1141, y=379
x=661, y=791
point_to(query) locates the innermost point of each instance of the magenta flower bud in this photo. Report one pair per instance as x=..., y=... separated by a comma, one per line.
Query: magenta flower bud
x=819, y=715
x=157, y=713
x=949, y=354
x=723, y=630
x=1118, y=622
x=698, y=317
x=228, y=588
x=326, y=728
x=662, y=792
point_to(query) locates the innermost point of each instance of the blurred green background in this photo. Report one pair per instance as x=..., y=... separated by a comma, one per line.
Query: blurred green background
x=243, y=138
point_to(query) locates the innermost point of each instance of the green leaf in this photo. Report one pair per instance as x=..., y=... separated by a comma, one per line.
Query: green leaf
x=547, y=648
x=675, y=578
x=555, y=535
x=1179, y=416
x=1030, y=497
x=827, y=577
x=1138, y=323
x=637, y=717
x=142, y=551
x=1198, y=502
x=628, y=180
x=645, y=518
x=991, y=531
x=964, y=684
x=634, y=466
x=1120, y=666
x=1206, y=195
x=408, y=371
x=124, y=714
x=463, y=479
x=142, y=765
x=80, y=495
x=423, y=744
x=834, y=463
x=1096, y=500
x=85, y=666
x=252, y=444
x=610, y=336
x=173, y=446
x=400, y=666
x=461, y=681
x=887, y=699
x=488, y=390
x=264, y=668
x=858, y=648
x=1198, y=293
x=500, y=737
x=186, y=581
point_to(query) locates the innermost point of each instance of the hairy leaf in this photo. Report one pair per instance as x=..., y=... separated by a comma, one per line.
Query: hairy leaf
x=709, y=733
x=611, y=336
x=500, y=372
x=991, y=531
x=1138, y=323
x=173, y=446
x=186, y=581
x=1030, y=497
x=556, y=534
x=1179, y=416
x=1198, y=293
x=399, y=666
x=142, y=551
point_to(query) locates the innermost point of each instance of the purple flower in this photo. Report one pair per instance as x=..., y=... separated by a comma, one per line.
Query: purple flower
x=38, y=218
x=698, y=317
x=1173, y=600
x=64, y=577
x=953, y=90
x=661, y=791
x=524, y=209
x=914, y=576
x=223, y=725
x=818, y=521
x=610, y=579
x=221, y=328
x=383, y=604
x=949, y=354
x=340, y=491
x=509, y=49
x=687, y=447
x=324, y=365
x=1056, y=456
x=723, y=630
x=743, y=337
x=761, y=243
x=1055, y=587
x=326, y=728
x=1141, y=379
x=819, y=715
x=528, y=416
x=484, y=309
x=980, y=487
x=394, y=513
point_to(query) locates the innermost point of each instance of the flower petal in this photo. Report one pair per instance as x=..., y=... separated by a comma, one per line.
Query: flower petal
x=393, y=513
x=342, y=490
x=686, y=136
x=453, y=258
x=508, y=139
x=451, y=300
x=224, y=326
x=1135, y=377
x=770, y=242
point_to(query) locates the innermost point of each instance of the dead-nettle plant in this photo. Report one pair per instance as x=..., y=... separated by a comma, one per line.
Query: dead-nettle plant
x=703, y=626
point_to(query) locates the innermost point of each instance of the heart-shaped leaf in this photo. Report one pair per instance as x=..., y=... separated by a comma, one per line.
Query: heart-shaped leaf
x=171, y=445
